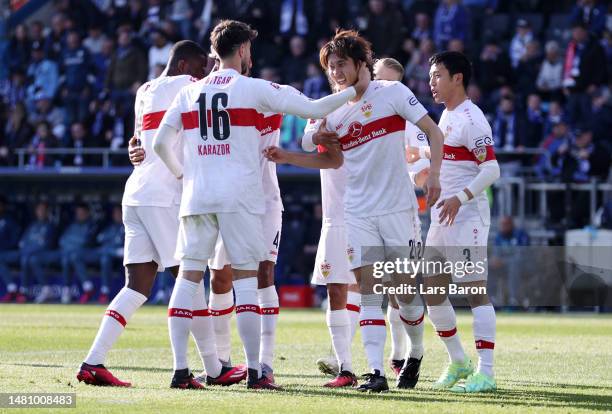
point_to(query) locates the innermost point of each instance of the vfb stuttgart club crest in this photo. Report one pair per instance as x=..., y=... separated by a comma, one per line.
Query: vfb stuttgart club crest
x=480, y=153
x=325, y=269
x=366, y=110
x=355, y=129
x=350, y=252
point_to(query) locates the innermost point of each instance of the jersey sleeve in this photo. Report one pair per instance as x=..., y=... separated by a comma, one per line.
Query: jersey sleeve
x=312, y=126
x=173, y=117
x=405, y=103
x=478, y=139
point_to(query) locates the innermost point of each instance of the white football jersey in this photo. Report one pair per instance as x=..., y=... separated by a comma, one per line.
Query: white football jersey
x=333, y=183
x=468, y=142
x=223, y=117
x=270, y=136
x=151, y=183
x=372, y=139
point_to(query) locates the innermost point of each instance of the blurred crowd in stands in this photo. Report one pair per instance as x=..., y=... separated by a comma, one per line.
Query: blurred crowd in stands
x=542, y=68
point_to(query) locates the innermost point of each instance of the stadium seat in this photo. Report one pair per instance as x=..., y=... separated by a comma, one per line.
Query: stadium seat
x=558, y=28
x=535, y=21
x=496, y=26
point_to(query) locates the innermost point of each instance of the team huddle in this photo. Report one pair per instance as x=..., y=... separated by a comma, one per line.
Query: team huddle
x=204, y=193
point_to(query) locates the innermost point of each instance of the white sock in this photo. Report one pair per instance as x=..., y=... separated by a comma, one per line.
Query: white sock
x=373, y=331
x=221, y=310
x=484, y=334
x=353, y=300
x=248, y=319
x=268, y=303
x=444, y=321
x=338, y=322
x=398, y=334
x=203, y=333
x=180, y=314
x=412, y=316
x=118, y=313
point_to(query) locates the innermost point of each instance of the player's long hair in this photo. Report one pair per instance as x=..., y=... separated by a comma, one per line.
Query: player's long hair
x=347, y=44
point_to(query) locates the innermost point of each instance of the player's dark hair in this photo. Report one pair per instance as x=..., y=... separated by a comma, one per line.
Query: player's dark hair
x=454, y=62
x=184, y=50
x=392, y=64
x=228, y=35
x=347, y=44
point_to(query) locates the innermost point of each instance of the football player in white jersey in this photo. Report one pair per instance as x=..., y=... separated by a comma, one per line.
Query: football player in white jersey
x=460, y=224
x=332, y=267
x=390, y=69
x=380, y=203
x=222, y=117
x=150, y=216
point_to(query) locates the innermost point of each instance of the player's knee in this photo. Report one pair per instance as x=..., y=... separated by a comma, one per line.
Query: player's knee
x=337, y=294
x=221, y=280
x=478, y=300
x=265, y=274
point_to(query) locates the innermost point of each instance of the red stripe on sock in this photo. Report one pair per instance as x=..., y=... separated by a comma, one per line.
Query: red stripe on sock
x=351, y=307
x=447, y=334
x=201, y=312
x=214, y=312
x=270, y=311
x=248, y=308
x=480, y=344
x=413, y=323
x=372, y=322
x=117, y=316
x=180, y=313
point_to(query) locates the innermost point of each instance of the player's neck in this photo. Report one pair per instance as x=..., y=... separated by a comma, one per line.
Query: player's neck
x=230, y=65
x=358, y=97
x=455, y=100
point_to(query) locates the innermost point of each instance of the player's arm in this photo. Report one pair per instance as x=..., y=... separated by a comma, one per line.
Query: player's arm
x=167, y=134
x=285, y=99
x=408, y=107
x=331, y=158
x=480, y=143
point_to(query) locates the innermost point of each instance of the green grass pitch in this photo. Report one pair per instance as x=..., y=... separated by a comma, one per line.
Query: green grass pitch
x=544, y=363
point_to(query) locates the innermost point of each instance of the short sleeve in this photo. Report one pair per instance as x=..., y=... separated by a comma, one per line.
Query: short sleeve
x=172, y=117
x=478, y=139
x=405, y=103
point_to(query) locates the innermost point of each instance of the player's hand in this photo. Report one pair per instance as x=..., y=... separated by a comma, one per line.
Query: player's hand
x=363, y=79
x=324, y=137
x=450, y=208
x=136, y=152
x=275, y=154
x=412, y=154
x=432, y=188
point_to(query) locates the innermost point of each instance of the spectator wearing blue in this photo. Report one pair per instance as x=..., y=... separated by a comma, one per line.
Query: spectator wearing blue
x=316, y=85
x=78, y=237
x=9, y=238
x=100, y=64
x=518, y=45
x=56, y=38
x=422, y=27
x=553, y=145
x=38, y=238
x=506, y=259
x=382, y=26
x=19, y=48
x=108, y=253
x=43, y=75
x=76, y=71
x=592, y=13
x=450, y=22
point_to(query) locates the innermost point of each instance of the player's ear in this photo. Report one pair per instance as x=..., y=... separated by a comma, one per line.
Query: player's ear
x=181, y=65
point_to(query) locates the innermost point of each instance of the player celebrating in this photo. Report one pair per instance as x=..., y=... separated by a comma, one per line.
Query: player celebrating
x=380, y=203
x=460, y=222
x=390, y=69
x=150, y=216
x=331, y=263
x=222, y=118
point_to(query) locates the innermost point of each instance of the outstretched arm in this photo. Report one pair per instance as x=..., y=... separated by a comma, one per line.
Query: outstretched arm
x=162, y=145
x=331, y=158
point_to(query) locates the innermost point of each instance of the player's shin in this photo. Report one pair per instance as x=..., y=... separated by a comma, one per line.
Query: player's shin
x=180, y=314
x=444, y=321
x=373, y=330
x=221, y=310
x=353, y=301
x=484, y=335
x=268, y=304
x=412, y=315
x=117, y=314
x=398, y=334
x=203, y=333
x=248, y=319
x=338, y=322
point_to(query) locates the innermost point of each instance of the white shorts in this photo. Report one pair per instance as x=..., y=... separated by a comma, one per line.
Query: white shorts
x=272, y=223
x=241, y=233
x=384, y=237
x=150, y=235
x=459, y=244
x=332, y=262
